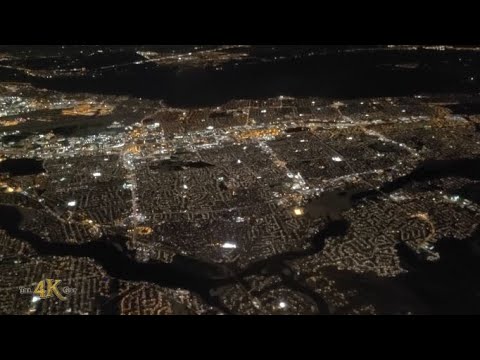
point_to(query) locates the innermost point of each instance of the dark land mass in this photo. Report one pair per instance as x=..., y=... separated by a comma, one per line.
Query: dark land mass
x=20, y=167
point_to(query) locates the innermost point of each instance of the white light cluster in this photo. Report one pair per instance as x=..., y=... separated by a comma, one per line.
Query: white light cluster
x=229, y=245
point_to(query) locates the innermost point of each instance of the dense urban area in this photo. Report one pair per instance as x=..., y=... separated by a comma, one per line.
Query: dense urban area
x=280, y=205
x=253, y=206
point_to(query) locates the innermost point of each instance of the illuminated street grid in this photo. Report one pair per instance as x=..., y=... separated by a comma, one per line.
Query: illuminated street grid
x=229, y=186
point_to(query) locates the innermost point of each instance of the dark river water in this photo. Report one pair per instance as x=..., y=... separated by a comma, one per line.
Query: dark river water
x=22, y=166
x=183, y=272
